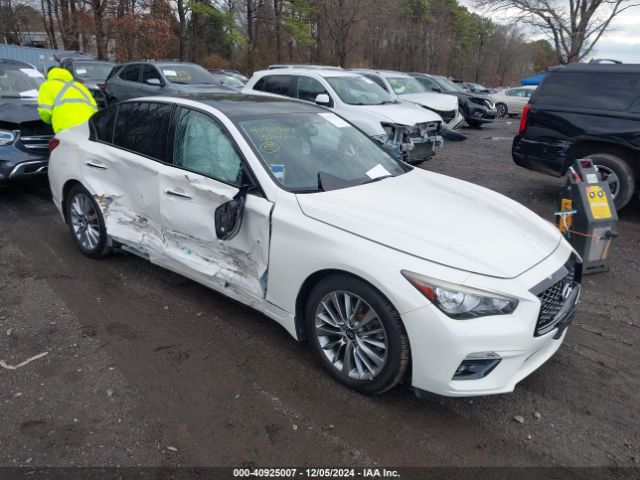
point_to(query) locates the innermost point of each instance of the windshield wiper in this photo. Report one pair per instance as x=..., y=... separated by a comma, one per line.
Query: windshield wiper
x=387, y=102
x=377, y=179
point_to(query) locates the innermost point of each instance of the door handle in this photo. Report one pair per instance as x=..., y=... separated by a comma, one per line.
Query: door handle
x=95, y=165
x=173, y=193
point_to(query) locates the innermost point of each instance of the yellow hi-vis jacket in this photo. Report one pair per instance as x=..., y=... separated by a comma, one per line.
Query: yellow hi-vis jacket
x=63, y=102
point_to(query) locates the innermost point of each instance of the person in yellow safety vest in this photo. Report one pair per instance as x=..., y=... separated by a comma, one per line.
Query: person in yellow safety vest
x=63, y=102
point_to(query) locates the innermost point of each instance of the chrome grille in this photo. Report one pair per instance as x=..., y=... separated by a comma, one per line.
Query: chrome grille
x=551, y=298
x=447, y=116
x=35, y=139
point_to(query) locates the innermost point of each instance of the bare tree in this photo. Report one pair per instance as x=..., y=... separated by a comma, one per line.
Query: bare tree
x=574, y=26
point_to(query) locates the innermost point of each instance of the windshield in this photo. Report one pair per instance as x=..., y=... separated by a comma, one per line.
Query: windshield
x=478, y=87
x=448, y=85
x=307, y=152
x=93, y=70
x=228, y=80
x=19, y=82
x=402, y=85
x=188, y=74
x=359, y=91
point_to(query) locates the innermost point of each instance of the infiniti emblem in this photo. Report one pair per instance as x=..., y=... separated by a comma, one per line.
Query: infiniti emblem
x=566, y=290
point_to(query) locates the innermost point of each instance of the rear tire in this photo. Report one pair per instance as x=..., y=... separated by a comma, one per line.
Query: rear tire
x=502, y=110
x=618, y=174
x=360, y=340
x=86, y=223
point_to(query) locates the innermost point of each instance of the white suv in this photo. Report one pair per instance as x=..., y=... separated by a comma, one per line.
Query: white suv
x=406, y=131
x=405, y=88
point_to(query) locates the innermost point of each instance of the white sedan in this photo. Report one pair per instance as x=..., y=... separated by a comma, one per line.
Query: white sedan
x=388, y=271
x=512, y=100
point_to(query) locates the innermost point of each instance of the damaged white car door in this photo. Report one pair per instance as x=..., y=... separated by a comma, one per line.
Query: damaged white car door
x=122, y=168
x=215, y=223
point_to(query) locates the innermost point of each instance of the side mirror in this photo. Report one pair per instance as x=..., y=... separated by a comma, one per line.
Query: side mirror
x=154, y=81
x=437, y=89
x=323, y=99
x=228, y=216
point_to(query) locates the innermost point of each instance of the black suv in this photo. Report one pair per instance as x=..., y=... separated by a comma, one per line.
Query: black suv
x=584, y=110
x=475, y=108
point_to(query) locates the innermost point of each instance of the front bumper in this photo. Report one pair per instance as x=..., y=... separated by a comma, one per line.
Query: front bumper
x=480, y=114
x=440, y=344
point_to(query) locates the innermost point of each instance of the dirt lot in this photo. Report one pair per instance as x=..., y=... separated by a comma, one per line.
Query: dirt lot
x=147, y=368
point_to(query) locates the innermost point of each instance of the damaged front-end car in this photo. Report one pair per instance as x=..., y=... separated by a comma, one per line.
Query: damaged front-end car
x=411, y=143
x=24, y=138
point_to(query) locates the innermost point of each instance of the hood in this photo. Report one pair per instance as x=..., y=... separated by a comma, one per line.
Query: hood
x=436, y=101
x=59, y=74
x=443, y=220
x=398, y=113
x=16, y=111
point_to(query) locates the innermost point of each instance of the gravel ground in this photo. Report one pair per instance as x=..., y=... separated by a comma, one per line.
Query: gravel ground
x=147, y=368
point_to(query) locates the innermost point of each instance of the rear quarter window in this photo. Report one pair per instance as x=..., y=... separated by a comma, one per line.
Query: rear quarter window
x=102, y=124
x=601, y=91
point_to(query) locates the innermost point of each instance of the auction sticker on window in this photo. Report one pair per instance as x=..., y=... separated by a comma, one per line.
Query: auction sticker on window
x=31, y=72
x=333, y=118
x=598, y=202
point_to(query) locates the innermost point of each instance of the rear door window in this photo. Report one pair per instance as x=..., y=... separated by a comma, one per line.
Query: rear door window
x=278, y=84
x=597, y=91
x=141, y=127
x=130, y=73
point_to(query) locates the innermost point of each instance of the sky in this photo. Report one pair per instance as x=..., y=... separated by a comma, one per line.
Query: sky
x=621, y=41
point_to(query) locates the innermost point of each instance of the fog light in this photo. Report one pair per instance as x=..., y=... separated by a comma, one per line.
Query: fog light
x=474, y=368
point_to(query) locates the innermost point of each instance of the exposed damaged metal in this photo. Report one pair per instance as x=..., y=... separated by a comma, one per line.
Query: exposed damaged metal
x=411, y=143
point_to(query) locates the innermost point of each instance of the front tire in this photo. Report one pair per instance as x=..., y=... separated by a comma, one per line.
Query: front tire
x=502, y=110
x=356, y=334
x=86, y=223
x=618, y=174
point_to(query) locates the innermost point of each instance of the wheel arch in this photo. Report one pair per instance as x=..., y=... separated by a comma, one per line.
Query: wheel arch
x=585, y=147
x=66, y=188
x=310, y=282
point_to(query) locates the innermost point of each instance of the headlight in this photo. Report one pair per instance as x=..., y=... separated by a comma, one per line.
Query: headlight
x=7, y=137
x=461, y=302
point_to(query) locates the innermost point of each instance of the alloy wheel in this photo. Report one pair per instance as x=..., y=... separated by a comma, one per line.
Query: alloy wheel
x=611, y=178
x=501, y=110
x=351, y=335
x=84, y=221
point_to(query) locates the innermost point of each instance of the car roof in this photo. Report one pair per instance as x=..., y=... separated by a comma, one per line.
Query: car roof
x=382, y=72
x=157, y=63
x=310, y=71
x=17, y=63
x=235, y=105
x=90, y=60
x=597, y=68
